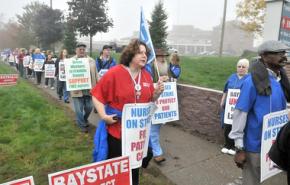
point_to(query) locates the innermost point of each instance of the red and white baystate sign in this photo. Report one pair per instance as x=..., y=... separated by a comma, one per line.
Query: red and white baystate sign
x=8, y=79
x=114, y=171
x=24, y=181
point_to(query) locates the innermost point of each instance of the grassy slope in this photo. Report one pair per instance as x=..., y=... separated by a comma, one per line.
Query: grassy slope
x=36, y=137
x=209, y=72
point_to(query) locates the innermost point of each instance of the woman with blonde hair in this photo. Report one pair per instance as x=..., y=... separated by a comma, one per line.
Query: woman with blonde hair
x=234, y=82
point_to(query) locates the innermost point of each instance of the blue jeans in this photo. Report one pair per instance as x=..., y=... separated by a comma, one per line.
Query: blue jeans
x=154, y=140
x=83, y=107
x=65, y=93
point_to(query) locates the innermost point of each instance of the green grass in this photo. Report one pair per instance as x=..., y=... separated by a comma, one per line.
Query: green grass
x=5, y=69
x=36, y=136
x=211, y=72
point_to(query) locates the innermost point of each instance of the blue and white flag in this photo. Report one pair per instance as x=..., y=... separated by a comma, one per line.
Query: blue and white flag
x=146, y=38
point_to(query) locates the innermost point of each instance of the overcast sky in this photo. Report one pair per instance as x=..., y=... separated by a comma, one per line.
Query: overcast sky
x=202, y=14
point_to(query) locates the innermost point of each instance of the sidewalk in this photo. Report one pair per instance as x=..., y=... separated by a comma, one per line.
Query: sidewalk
x=191, y=160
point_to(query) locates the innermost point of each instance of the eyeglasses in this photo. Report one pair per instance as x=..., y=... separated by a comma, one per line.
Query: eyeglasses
x=241, y=67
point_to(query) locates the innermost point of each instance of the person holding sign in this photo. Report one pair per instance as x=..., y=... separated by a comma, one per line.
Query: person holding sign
x=49, y=67
x=60, y=76
x=234, y=82
x=263, y=92
x=82, y=99
x=167, y=72
x=126, y=83
x=38, y=61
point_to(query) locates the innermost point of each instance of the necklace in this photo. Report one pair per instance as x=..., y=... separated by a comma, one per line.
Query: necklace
x=137, y=85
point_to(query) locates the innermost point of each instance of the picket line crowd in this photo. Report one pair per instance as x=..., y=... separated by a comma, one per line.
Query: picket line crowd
x=113, y=86
x=263, y=91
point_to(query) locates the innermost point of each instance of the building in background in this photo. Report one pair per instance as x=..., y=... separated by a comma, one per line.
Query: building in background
x=236, y=40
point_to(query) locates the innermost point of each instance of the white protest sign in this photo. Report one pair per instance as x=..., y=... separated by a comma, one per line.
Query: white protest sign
x=38, y=64
x=77, y=73
x=49, y=70
x=11, y=58
x=231, y=101
x=61, y=71
x=108, y=172
x=102, y=72
x=272, y=123
x=167, y=105
x=24, y=181
x=136, y=124
x=26, y=61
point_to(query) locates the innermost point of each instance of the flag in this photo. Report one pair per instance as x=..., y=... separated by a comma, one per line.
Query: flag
x=145, y=37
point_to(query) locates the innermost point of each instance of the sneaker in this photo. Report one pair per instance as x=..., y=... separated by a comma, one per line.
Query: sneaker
x=66, y=101
x=225, y=150
x=45, y=86
x=59, y=97
x=52, y=88
x=231, y=152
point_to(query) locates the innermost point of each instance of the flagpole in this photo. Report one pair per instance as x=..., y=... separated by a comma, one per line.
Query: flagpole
x=157, y=68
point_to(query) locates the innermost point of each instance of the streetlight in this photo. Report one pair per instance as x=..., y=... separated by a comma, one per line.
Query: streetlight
x=223, y=29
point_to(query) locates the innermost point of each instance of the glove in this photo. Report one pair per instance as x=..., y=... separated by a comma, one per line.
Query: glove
x=240, y=159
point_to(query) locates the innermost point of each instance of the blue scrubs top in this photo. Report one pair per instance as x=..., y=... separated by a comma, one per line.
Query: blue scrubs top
x=234, y=82
x=257, y=106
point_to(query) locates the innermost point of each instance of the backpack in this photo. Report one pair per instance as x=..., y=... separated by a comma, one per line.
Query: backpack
x=278, y=152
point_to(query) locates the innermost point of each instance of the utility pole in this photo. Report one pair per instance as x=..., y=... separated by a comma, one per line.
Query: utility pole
x=51, y=4
x=223, y=29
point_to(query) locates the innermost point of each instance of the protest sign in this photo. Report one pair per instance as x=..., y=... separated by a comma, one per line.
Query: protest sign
x=272, y=123
x=24, y=181
x=136, y=123
x=49, y=70
x=26, y=61
x=61, y=71
x=38, y=64
x=167, y=105
x=114, y=171
x=8, y=79
x=77, y=72
x=231, y=101
x=102, y=72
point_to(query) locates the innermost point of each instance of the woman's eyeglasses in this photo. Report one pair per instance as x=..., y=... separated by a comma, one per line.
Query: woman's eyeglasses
x=241, y=67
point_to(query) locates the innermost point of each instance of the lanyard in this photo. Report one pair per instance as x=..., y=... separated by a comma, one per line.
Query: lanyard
x=137, y=85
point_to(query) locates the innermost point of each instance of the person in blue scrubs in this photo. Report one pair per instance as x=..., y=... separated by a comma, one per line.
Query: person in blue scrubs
x=234, y=82
x=264, y=91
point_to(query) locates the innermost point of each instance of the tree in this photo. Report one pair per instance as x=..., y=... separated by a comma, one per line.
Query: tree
x=90, y=17
x=158, y=27
x=251, y=13
x=9, y=35
x=70, y=40
x=48, y=26
x=26, y=22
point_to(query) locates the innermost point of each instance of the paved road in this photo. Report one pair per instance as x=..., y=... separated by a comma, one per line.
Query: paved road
x=192, y=160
